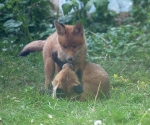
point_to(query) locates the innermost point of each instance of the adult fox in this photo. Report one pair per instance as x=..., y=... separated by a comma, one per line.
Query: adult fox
x=68, y=41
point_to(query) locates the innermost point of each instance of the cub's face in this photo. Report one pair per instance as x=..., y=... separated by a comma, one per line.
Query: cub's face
x=70, y=39
x=66, y=83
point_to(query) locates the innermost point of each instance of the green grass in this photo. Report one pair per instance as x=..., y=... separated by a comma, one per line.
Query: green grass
x=21, y=103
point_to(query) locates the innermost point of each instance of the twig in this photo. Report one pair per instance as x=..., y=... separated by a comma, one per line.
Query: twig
x=97, y=94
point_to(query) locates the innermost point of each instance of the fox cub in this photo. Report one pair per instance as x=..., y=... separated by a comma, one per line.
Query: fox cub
x=70, y=43
x=67, y=84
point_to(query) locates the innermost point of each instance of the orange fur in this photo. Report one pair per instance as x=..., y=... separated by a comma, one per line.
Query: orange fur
x=95, y=80
x=95, y=83
x=70, y=43
x=66, y=81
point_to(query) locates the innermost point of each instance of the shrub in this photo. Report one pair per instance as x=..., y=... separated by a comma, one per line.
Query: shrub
x=24, y=20
x=99, y=20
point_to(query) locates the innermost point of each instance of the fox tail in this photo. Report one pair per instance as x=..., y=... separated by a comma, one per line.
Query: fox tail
x=34, y=46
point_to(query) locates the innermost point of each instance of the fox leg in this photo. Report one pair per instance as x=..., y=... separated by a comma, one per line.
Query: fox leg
x=49, y=67
x=57, y=69
x=61, y=63
x=57, y=60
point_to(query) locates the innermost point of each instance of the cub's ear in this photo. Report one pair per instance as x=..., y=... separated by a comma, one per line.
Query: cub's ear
x=60, y=28
x=78, y=28
x=78, y=89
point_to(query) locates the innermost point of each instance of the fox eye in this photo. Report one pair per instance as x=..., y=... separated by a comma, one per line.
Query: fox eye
x=74, y=46
x=64, y=46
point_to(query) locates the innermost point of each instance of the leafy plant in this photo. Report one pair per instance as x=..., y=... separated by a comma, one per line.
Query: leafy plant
x=23, y=21
x=141, y=10
x=79, y=11
x=121, y=42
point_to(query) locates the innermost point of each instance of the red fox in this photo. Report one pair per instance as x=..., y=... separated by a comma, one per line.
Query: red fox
x=68, y=41
x=94, y=85
x=95, y=82
x=66, y=83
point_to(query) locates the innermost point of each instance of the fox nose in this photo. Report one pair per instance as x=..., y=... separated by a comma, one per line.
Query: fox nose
x=70, y=59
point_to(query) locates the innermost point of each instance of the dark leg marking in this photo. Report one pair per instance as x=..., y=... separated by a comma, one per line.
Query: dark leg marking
x=57, y=60
x=79, y=74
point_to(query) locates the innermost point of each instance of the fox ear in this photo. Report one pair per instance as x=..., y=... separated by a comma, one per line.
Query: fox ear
x=78, y=28
x=60, y=28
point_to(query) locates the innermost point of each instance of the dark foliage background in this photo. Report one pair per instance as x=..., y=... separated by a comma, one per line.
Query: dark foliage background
x=22, y=21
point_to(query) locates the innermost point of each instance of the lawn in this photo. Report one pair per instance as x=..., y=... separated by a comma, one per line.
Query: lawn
x=21, y=103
